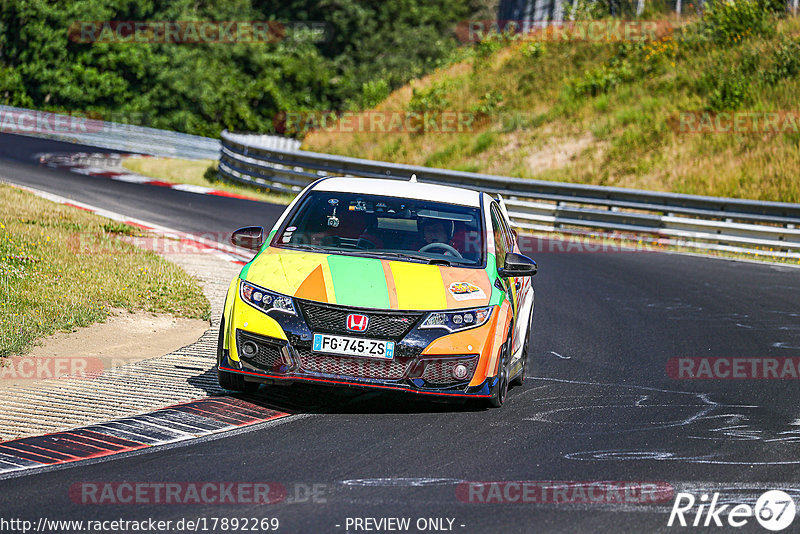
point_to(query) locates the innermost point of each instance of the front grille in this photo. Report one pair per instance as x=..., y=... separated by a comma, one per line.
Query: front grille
x=382, y=325
x=354, y=367
x=440, y=372
x=268, y=356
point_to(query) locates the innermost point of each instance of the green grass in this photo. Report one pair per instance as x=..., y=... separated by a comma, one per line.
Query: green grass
x=197, y=172
x=62, y=268
x=531, y=99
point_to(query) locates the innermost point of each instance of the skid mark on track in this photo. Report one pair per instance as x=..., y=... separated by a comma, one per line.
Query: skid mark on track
x=784, y=345
x=401, y=482
x=688, y=426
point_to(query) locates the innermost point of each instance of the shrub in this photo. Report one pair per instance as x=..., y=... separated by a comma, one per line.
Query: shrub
x=730, y=91
x=430, y=99
x=587, y=10
x=785, y=62
x=489, y=103
x=374, y=92
x=732, y=22
x=534, y=50
x=601, y=80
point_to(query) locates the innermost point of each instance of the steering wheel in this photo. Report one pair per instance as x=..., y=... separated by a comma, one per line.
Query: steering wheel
x=444, y=246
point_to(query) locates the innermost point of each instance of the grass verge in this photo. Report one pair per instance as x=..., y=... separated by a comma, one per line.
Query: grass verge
x=196, y=172
x=61, y=268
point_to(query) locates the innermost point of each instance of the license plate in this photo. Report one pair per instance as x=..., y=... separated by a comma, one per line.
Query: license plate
x=353, y=346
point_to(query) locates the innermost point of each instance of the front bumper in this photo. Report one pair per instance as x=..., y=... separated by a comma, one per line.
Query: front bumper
x=285, y=354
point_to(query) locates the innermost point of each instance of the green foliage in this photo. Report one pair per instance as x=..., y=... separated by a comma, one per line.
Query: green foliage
x=12, y=89
x=534, y=50
x=486, y=48
x=600, y=80
x=728, y=82
x=785, y=61
x=732, y=22
x=483, y=142
x=489, y=103
x=366, y=50
x=373, y=92
x=431, y=99
x=587, y=10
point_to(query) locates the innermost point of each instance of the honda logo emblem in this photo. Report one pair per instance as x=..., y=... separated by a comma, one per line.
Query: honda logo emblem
x=357, y=322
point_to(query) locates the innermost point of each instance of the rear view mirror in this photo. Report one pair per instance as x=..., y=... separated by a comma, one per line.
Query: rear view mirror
x=249, y=237
x=517, y=265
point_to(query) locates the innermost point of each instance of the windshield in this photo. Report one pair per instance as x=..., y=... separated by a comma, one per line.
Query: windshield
x=371, y=225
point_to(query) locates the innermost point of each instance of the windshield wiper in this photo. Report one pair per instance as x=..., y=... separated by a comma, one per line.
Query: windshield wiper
x=411, y=256
x=312, y=248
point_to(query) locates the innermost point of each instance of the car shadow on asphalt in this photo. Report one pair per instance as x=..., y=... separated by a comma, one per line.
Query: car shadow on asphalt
x=302, y=397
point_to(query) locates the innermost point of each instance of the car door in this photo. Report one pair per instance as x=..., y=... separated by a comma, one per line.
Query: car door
x=503, y=244
x=521, y=288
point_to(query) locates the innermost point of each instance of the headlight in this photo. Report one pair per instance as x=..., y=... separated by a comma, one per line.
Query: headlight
x=458, y=320
x=266, y=300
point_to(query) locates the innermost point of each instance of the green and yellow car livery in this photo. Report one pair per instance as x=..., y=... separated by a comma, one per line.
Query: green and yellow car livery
x=380, y=322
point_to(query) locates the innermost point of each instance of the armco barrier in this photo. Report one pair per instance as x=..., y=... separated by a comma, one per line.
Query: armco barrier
x=120, y=137
x=715, y=223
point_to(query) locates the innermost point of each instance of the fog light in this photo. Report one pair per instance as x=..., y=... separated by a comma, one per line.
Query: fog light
x=249, y=348
x=460, y=371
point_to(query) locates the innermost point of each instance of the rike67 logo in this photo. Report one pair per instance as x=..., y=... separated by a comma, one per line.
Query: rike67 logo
x=774, y=510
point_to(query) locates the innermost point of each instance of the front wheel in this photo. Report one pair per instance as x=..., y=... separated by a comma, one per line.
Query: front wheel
x=234, y=382
x=500, y=389
x=520, y=378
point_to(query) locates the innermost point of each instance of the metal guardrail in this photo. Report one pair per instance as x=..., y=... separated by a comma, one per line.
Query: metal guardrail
x=728, y=224
x=121, y=137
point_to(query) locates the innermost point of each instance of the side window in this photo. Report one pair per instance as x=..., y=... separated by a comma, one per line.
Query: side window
x=509, y=235
x=500, y=239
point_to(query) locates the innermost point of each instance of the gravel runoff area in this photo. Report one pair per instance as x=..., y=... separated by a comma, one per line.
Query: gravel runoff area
x=188, y=373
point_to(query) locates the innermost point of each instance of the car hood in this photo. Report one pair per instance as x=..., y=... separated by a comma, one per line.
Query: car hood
x=368, y=282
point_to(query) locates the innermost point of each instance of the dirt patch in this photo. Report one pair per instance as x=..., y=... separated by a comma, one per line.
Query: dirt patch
x=124, y=338
x=558, y=153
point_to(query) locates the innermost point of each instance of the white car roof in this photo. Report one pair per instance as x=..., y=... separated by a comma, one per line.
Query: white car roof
x=401, y=189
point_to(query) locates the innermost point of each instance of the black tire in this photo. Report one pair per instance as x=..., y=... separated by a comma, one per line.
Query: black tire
x=500, y=390
x=520, y=378
x=226, y=379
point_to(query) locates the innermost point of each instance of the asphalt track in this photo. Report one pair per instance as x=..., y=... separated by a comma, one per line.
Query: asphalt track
x=598, y=403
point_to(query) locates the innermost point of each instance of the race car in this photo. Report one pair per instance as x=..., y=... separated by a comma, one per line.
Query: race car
x=385, y=284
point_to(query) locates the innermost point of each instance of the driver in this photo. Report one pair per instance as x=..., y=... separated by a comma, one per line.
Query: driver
x=435, y=231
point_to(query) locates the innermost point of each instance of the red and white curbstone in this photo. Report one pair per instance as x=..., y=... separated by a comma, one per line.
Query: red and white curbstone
x=106, y=165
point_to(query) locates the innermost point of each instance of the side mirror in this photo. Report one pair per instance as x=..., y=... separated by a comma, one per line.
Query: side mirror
x=249, y=237
x=517, y=265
